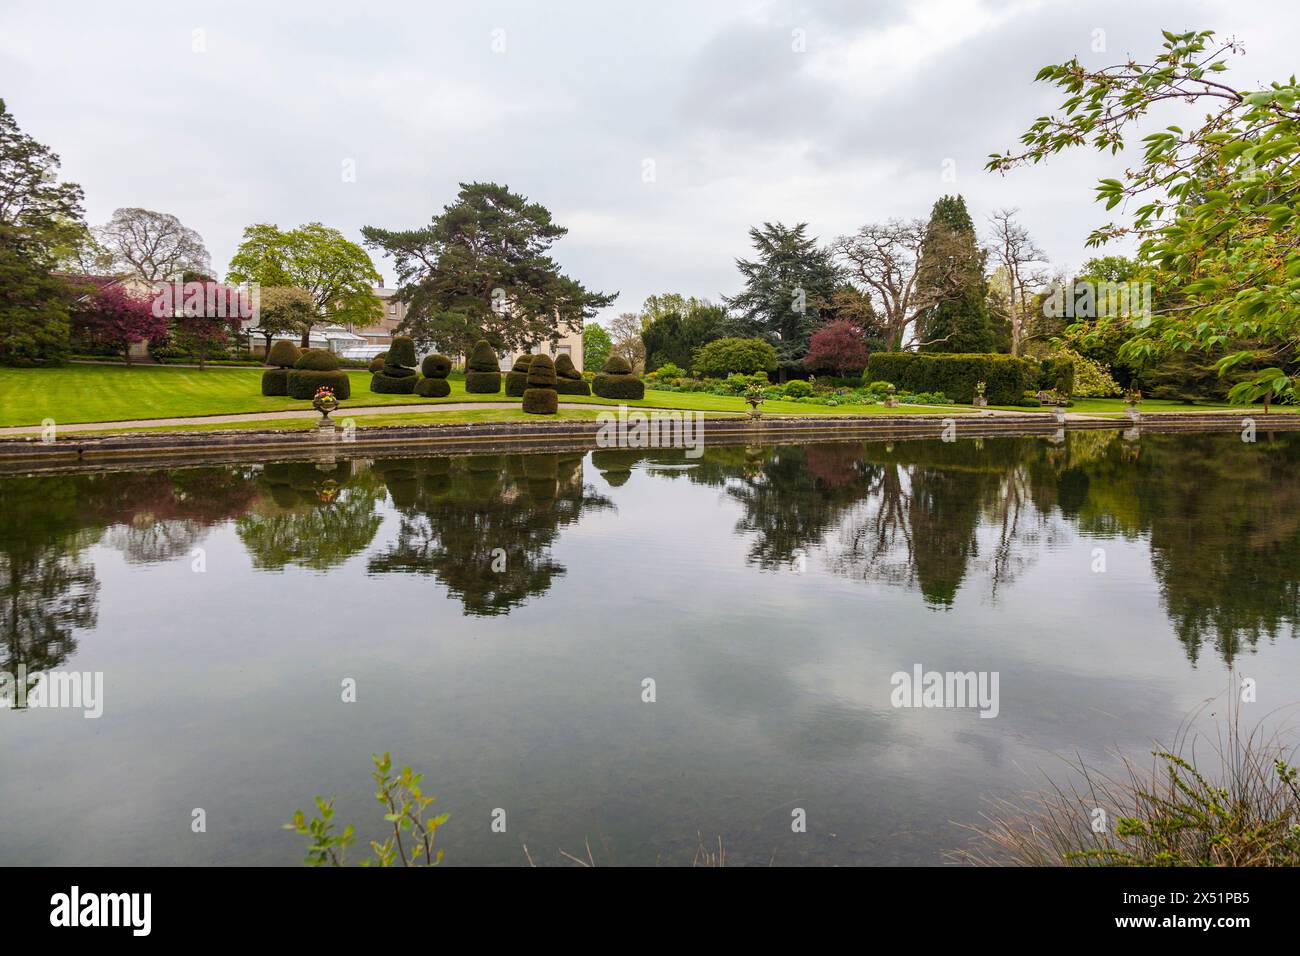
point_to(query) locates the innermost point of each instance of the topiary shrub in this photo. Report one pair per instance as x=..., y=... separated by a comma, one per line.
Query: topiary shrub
x=377, y=362
x=564, y=367
x=572, y=386
x=302, y=383
x=398, y=376
x=394, y=380
x=617, y=381
x=541, y=372
x=568, y=380
x=275, y=381
x=433, y=387
x=541, y=401
x=540, y=398
x=483, y=373
x=401, y=351
x=317, y=360
x=435, y=366
x=517, y=378
x=617, y=365
x=284, y=354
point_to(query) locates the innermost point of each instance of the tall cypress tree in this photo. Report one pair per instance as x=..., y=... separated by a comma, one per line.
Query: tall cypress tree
x=952, y=264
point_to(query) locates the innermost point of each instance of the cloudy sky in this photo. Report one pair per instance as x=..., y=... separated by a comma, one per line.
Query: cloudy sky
x=658, y=133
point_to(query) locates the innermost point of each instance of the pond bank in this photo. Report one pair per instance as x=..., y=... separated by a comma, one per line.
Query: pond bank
x=30, y=454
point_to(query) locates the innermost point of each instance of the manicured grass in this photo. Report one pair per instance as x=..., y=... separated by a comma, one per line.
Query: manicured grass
x=107, y=393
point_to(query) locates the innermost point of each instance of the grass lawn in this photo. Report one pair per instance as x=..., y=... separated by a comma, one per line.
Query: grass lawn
x=108, y=393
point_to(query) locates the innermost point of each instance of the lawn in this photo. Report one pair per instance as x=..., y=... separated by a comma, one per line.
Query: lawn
x=108, y=393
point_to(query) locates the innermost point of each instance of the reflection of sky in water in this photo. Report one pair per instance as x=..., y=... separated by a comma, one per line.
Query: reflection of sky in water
x=222, y=688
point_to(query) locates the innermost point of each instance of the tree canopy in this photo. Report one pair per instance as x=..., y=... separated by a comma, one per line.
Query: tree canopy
x=338, y=274
x=789, y=286
x=1214, y=201
x=481, y=270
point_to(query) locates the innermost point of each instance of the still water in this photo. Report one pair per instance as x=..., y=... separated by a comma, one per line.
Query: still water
x=500, y=615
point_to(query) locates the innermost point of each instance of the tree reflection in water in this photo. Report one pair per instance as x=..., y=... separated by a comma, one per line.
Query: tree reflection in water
x=1220, y=519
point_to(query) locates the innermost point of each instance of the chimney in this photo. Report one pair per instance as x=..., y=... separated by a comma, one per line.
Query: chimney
x=381, y=282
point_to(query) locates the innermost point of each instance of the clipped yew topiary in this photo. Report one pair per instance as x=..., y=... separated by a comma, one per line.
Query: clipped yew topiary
x=377, y=362
x=314, y=368
x=617, y=381
x=517, y=378
x=401, y=351
x=275, y=381
x=568, y=380
x=540, y=398
x=398, y=376
x=436, y=368
x=284, y=354
x=483, y=373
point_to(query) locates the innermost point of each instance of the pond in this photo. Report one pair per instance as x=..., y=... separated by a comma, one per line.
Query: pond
x=499, y=621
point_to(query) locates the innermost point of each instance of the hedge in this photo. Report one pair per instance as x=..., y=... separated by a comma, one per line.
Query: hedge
x=284, y=354
x=541, y=401
x=433, y=388
x=377, y=362
x=317, y=360
x=1006, y=377
x=435, y=366
x=302, y=383
x=275, y=381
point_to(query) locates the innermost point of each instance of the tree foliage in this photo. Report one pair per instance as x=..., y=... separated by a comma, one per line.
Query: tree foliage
x=41, y=224
x=1214, y=201
x=952, y=264
x=481, y=270
x=152, y=246
x=338, y=274
x=789, y=287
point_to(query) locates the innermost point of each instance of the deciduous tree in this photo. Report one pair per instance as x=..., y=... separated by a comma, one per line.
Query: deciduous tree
x=338, y=274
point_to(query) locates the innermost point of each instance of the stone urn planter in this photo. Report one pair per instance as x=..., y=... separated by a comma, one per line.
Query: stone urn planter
x=325, y=402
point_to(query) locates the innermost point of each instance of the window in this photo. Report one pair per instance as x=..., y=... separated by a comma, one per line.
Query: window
x=563, y=350
x=392, y=308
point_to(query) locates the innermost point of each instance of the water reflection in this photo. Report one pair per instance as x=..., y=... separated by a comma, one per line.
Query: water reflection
x=1219, y=520
x=484, y=526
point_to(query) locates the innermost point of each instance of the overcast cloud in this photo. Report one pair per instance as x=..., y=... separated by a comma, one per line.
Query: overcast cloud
x=740, y=126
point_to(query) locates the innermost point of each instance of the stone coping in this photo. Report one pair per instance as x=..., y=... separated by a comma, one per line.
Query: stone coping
x=28, y=454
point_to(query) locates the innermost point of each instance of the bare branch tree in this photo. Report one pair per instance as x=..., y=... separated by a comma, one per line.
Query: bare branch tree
x=1024, y=266
x=154, y=246
x=886, y=262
